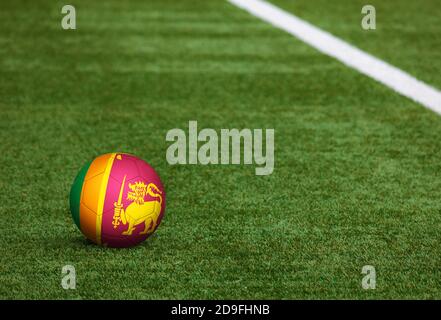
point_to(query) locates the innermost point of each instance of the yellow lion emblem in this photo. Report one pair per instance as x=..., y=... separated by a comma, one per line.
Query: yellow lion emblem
x=139, y=211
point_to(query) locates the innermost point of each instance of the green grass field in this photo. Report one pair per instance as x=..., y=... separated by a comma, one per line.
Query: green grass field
x=357, y=166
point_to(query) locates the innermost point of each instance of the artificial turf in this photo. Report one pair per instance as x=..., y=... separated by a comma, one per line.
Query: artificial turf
x=356, y=178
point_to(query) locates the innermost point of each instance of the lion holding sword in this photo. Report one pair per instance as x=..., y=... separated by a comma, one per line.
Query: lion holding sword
x=139, y=211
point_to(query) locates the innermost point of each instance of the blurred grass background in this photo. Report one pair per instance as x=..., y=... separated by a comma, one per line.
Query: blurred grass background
x=356, y=177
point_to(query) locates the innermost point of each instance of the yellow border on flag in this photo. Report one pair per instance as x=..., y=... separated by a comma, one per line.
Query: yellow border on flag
x=102, y=196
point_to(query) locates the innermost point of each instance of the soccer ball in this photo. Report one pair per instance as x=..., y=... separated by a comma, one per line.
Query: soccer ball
x=117, y=200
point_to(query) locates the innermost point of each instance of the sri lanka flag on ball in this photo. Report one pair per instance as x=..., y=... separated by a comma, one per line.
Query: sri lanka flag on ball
x=117, y=200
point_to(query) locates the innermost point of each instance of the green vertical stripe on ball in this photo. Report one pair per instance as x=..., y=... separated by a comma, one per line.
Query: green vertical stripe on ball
x=75, y=194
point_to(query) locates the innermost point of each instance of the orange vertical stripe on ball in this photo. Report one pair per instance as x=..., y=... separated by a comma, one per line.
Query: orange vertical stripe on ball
x=98, y=165
x=102, y=196
x=87, y=222
x=91, y=197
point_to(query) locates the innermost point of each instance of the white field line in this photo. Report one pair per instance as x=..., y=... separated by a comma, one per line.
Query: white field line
x=351, y=56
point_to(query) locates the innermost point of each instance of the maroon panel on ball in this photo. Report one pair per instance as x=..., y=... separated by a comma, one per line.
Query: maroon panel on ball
x=134, y=204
